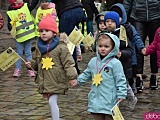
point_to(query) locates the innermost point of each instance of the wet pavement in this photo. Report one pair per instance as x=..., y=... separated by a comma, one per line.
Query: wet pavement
x=19, y=99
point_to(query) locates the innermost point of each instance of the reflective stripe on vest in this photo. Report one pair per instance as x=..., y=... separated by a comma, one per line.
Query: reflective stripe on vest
x=83, y=28
x=24, y=23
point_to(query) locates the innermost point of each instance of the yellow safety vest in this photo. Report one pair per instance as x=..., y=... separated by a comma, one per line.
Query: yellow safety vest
x=39, y=15
x=83, y=28
x=24, y=23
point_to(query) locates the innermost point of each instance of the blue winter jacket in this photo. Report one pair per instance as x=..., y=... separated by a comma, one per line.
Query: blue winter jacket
x=103, y=97
x=136, y=41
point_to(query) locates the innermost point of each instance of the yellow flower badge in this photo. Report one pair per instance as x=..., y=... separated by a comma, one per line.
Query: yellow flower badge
x=97, y=79
x=47, y=63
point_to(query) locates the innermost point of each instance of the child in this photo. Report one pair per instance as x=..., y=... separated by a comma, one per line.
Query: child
x=54, y=63
x=45, y=7
x=1, y=21
x=111, y=19
x=20, y=17
x=100, y=21
x=154, y=47
x=100, y=27
x=109, y=82
x=136, y=44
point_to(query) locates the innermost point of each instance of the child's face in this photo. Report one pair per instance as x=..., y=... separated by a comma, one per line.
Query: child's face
x=19, y=1
x=46, y=35
x=102, y=26
x=44, y=5
x=105, y=45
x=110, y=25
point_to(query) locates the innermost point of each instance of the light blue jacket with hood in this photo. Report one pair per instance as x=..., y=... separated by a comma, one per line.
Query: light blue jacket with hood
x=103, y=97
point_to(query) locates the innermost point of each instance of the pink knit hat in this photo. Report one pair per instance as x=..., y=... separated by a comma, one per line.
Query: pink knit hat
x=48, y=23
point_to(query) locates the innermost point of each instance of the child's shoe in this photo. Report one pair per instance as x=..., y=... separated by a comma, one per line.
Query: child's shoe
x=153, y=83
x=139, y=85
x=132, y=103
x=16, y=73
x=31, y=73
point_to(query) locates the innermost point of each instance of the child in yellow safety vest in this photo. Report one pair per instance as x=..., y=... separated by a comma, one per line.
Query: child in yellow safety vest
x=46, y=7
x=21, y=26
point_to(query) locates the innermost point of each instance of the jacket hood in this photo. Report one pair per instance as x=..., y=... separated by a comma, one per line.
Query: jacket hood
x=98, y=18
x=100, y=14
x=124, y=14
x=63, y=37
x=115, y=50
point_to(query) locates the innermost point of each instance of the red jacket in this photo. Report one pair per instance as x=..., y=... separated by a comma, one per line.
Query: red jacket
x=1, y=21
x=155, y=46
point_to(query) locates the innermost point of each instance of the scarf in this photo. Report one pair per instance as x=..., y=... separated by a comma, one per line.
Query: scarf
x=43, y=45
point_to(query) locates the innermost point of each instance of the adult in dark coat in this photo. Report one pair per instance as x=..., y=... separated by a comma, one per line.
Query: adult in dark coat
x=106, y=4
x=91, y=12
x=70, y=14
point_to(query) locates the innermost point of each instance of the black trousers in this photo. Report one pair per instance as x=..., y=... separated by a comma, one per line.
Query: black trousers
x=145, y=29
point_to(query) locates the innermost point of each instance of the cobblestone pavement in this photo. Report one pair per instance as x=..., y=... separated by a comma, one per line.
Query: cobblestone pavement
x=19, y=99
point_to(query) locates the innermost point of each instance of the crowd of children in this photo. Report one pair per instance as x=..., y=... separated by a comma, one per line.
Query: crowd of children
x=111, y=70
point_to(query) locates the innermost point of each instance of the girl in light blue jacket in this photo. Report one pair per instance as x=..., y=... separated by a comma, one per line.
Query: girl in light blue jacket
x=108, y=79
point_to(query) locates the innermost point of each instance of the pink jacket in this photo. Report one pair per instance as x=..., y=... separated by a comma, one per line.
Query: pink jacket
x=54, y=13
x=155, y=46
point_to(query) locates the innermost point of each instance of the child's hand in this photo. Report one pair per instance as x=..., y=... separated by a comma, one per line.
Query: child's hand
x=143, y=51
x=120, y=99
x=73, y=83
x=90, y=48
x=79, y=58
x=119, y=54
x=28, y=64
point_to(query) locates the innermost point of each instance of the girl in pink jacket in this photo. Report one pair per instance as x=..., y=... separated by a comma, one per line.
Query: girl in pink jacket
x=152, y=48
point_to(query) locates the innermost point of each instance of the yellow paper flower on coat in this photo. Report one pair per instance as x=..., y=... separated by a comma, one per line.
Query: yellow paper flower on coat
x=47, y=63
x=13, y=22
x=97, y=79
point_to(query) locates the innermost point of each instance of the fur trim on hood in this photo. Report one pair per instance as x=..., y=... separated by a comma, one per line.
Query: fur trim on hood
x=63, y=37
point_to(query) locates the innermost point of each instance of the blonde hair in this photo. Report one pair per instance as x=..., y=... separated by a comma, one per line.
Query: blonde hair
x=105, y=37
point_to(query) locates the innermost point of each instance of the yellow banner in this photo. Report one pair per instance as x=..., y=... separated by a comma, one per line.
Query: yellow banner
x=123, y=35
x=88, y=40
x=8, y=58
x=76, y=36
x=116, y=113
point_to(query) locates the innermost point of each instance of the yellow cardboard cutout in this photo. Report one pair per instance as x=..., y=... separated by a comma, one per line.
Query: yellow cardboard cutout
x=47, y=63
x=13, y=30
x=116, y=113
x=97, y=79
x=123, y=35
x=88, y=40
x=76, y=37
x=8, y=58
